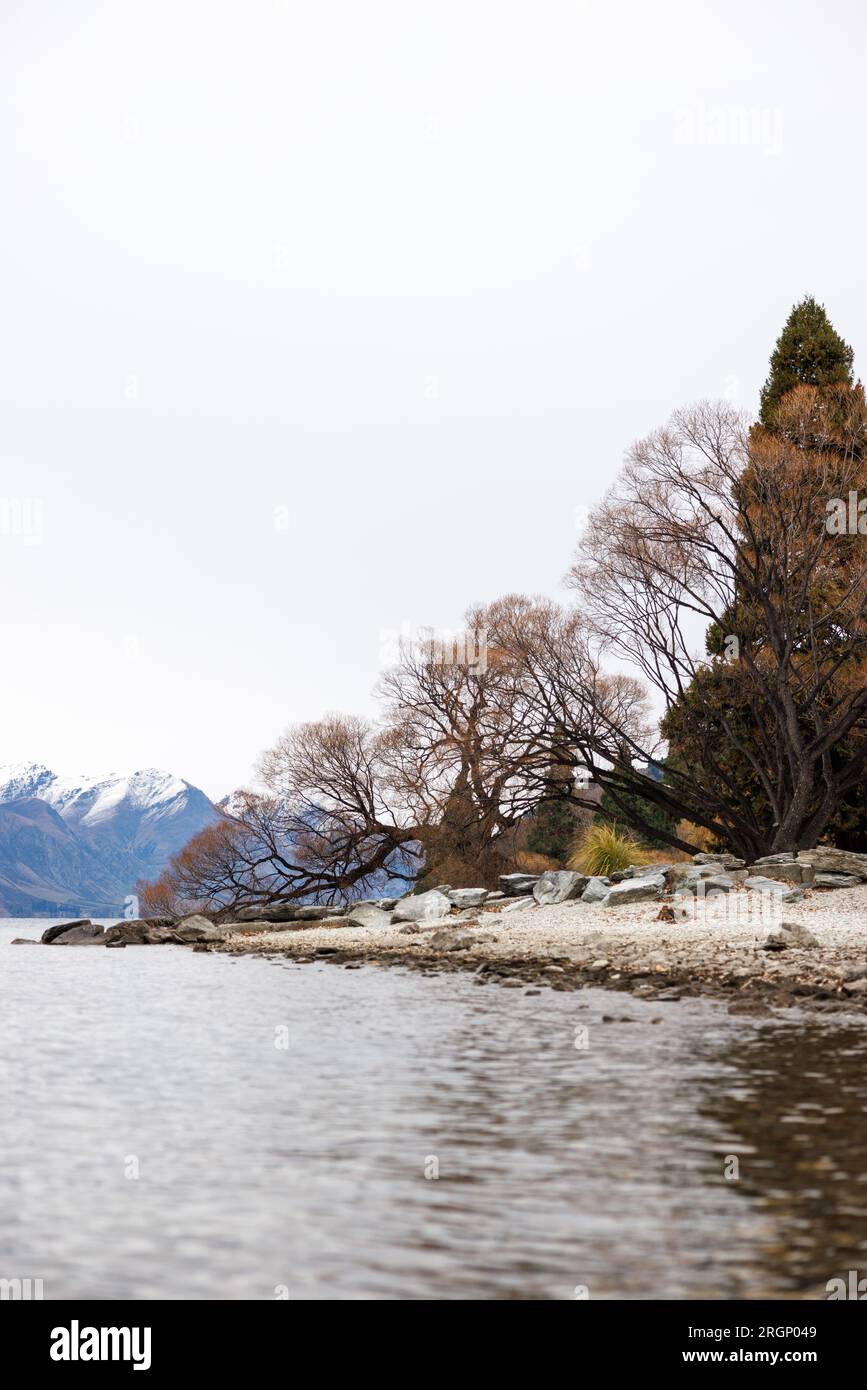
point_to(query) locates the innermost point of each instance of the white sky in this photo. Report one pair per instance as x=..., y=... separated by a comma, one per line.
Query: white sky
x=416, y=272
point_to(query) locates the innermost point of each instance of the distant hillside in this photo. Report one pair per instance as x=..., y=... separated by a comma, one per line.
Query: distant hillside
x=79, y=845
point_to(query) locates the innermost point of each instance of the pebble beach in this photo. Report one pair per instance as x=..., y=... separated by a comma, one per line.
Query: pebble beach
x=718, y=950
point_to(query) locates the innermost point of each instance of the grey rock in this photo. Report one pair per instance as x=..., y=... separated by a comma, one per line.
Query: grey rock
x=193, y=928
x=702, y=885
x=785, y=871
x=24, y=941
x=760, y=883
x=788, y=870
x=412, y=929
x=422, y=907
x=140, y=932
x=725, y=861
x=642, y=870
x=276, y=912
x=318, y=912
x=468, y=897
x=596, y=891
x=51, y=933
x=517, y=905
x=558, y=885
x=515, y=885
x=447, y=939
x=825, y=859
x=788, y=892
x=646, y=888
x=828, y=880
x=85, y=935
x=368, y=916
x=787, y=935
x=794, y=894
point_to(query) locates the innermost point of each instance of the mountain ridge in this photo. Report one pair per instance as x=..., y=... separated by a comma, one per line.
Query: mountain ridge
x=80, y=844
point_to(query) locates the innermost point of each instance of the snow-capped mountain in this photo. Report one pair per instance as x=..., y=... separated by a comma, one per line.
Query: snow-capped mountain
x=82, y=843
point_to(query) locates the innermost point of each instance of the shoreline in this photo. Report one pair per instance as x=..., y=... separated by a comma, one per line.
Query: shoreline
x=573, y=945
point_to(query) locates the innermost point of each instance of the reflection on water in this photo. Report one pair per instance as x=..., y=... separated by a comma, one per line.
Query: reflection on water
x=159, y=1140
x=795, y=1114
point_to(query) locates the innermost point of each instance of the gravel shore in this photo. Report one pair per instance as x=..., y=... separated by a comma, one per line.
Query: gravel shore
x=718, y=951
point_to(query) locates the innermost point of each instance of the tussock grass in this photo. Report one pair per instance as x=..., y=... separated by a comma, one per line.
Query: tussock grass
x=602, y=850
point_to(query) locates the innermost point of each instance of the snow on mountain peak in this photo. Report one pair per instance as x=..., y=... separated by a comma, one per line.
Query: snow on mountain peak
x=122, y=828
x=92, y=797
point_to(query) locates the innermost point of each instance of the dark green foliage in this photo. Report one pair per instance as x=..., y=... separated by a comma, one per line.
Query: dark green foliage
x=810, y=352
x=635, y=812
x=553, y=832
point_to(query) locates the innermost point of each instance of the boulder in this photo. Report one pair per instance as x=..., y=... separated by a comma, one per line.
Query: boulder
x=596, y=891
x=725, y=861
x=558, y=885
x=447, y=939
x=24, y=941
x=787, y=935
x=194, y=928
x=276, y=912
x=87, y=934
x=794, y=893
x=515, y=885
x=367, y=916
x=316, y=912
x=759, y=883
x=636, y=890
x=422, y=907
x=835, y=861
x=51, y=933
x=642, y=870
x=788, y=892
x=787, y=869
x=467, y=897
x=703, y=884
x=140, y=931
x=127, y=933
x=517, y=905
x=823, y=880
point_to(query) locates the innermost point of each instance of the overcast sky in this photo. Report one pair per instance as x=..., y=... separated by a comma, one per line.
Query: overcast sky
x=322, y=320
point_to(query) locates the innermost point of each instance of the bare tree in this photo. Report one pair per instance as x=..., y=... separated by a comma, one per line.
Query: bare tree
x=710, y=524
x=444, y=781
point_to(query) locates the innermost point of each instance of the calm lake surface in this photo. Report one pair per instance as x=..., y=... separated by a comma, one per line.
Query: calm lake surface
x=264, y=1167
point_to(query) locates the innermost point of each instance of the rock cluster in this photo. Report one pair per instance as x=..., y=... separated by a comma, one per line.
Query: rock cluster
x=446, y=911
x=144, y=931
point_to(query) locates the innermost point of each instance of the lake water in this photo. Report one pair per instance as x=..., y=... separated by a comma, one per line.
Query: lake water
x=160, y=1141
